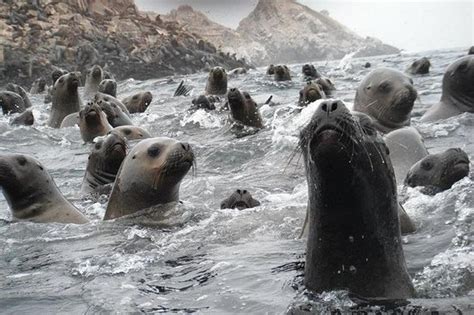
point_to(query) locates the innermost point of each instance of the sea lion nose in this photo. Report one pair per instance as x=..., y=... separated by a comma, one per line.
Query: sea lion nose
x=330, y=107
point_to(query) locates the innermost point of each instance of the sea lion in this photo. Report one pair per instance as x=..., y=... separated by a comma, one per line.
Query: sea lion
x=471, y=51
x=115, y=115
x=182, y=90
x=354, y=240
x=270, y=70
x=240, y=199
x=420, y=66
x=15, y=88
x=39, y=86
x=138, y=103
x=310, y=72
x=24, y=119
x=326, y=84
x=310, y=93
x=282, y=73
x=32, y=194
x=388, y=97
x=108, y=86
x=457, y=94
x=109, y=98
x=204, y=102
x=132, y=132
x=11, y=103
x=104, y=162
x=65, y=99
x=94, y=76
x=93, y=122
x=217, y=81
x=244, y=109
x=438, y=172
x=150, y=175
x=55, y=75
x=406, y=147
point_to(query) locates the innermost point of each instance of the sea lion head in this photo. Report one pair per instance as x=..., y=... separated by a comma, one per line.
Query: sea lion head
x=69, y=81
x=150, y=174
x=387, y=96
x=108, y=86
x=458, y=84
x=440, y=170
x=240, y=199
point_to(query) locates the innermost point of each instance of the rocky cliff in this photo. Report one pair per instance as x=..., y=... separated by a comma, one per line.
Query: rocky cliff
x=36, y=35
x=282, y=31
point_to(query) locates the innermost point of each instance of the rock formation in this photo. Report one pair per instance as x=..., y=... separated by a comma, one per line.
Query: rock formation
x=281, y=31
x=38, y=35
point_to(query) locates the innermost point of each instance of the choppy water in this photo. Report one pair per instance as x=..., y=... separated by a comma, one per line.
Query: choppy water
x=224, y=261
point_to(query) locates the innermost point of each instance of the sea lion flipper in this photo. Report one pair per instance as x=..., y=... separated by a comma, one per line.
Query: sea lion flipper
x=406, y=224
x=182, y=89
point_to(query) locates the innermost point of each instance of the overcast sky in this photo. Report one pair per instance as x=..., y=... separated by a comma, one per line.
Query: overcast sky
x=410, y=25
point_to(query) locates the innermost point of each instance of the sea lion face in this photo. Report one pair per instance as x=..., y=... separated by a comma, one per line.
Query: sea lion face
x=218, y=73
x=458, y=83
x=217, y=81
x=132, y=132
x=109, y=153
x=69, y=81
x=108, y=86
x=93, y=122
x=311, y=93
x=240, y=199
x=271, y=70
x=56, y=74
x=310, y=71
x=92, y=114
x=22, y=179
x=235, y=97
x=11, y=102
x=440, y=170
x=387, y=96
x=282, y=73
x=139, y=102
x=95, y=72
x=353, y=207
x=420, y=66
x=150, y=174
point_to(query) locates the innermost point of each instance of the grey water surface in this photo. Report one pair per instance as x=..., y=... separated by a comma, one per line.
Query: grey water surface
x=224, y=261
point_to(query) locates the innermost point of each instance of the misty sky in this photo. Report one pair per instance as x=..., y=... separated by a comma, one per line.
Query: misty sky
x=410, y=25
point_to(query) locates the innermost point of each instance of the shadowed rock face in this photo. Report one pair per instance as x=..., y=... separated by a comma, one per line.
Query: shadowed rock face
x=281, y=31
x=76, y=34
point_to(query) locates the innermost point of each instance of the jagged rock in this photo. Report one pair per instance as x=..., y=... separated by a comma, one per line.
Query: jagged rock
x=36, y=36
x=281, y=31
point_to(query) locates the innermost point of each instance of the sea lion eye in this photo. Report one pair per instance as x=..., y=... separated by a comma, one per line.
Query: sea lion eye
x=154, y=151
x=463, y=67
x=61, y=80
x=127, y=131
x=21, y=160
x=98, y=145
x=426, y=165
x=385, y=87
x=135, y=97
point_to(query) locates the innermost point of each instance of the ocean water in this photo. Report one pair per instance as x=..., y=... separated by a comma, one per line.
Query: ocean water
x=225, y=261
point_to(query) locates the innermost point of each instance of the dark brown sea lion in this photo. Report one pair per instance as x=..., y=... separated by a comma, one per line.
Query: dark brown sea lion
x=282, y=73
x=310, y=72
x=132, y=132
x=24, y=119
x=104, y=162
x=457, y=94
x=20, y=91
x=310, y=93
x=240, y=199
x=354, y=240
x=108, y=86
x=150, y=175
x=217, y=81
x=471, y=51
x=438, y=172
x=11, y=102
x=420, y=66
x=204, y=102
x=138, y=102
x=93, y=122
x=32, y=194
x=388, y=97
x=65, y=98
x=243, y=108
x=270, y=70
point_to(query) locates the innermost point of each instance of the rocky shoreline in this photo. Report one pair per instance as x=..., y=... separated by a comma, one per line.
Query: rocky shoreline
x=37, y=36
